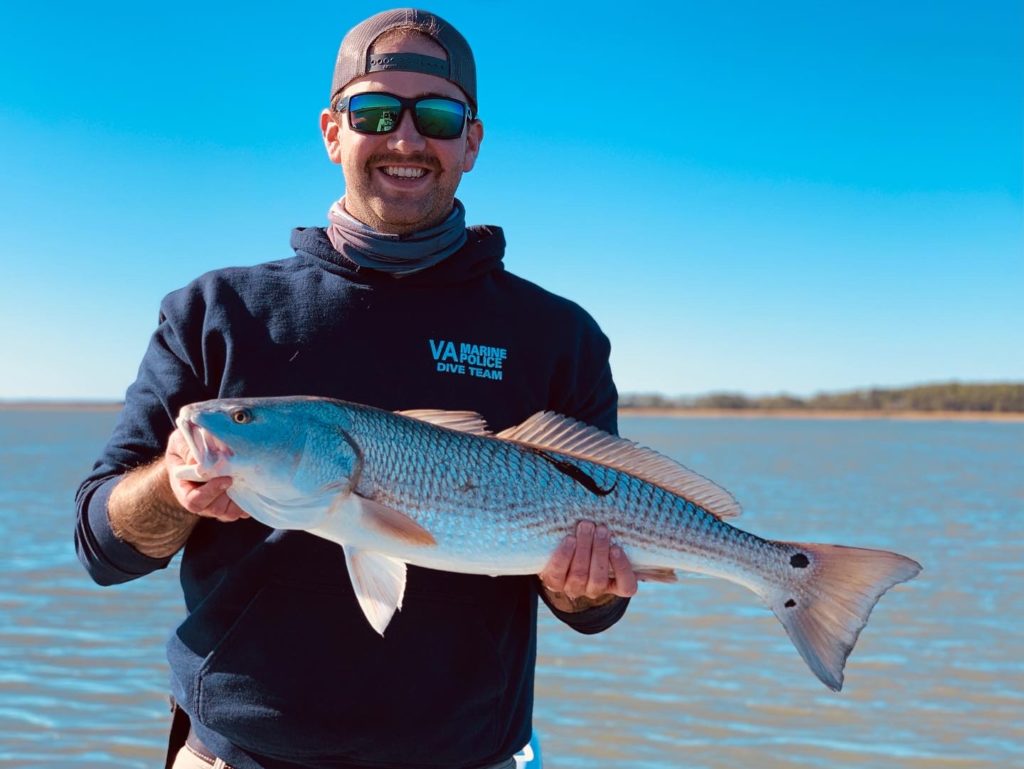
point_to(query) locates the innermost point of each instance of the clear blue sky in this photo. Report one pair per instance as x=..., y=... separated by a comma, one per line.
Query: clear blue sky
x=749, y=196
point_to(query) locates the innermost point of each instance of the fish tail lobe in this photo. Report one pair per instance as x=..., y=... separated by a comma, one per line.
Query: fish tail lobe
x=827, y=597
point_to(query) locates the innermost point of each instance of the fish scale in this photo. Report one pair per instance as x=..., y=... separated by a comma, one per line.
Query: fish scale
x=653, y=526
x=435, y=489
x=415, y=469
x=424, y=477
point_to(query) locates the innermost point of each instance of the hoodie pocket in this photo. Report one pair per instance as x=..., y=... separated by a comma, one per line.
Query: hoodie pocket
x=301, y=675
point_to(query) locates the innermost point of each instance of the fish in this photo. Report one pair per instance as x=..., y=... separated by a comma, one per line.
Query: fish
x=437, y=489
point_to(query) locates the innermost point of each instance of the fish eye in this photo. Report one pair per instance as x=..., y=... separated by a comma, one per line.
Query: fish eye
x=241, y=416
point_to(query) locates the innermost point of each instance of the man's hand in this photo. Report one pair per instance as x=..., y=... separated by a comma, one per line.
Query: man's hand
x=155, y=510
x=207, y=498
x=587, y=570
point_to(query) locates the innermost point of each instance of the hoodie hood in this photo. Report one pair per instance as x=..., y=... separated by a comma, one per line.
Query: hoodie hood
x=482, y=253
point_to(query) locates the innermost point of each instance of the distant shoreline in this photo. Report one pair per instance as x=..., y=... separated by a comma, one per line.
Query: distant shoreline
x=677, y=413
x=899, y=415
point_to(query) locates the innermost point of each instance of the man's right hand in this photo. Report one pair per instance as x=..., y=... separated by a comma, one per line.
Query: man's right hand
x=205, y=498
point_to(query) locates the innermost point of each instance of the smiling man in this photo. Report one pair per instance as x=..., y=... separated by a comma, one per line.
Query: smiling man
x=401, y=174
x=395, y=303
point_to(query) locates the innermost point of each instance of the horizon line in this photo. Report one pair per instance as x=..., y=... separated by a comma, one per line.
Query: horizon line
x=73, y=401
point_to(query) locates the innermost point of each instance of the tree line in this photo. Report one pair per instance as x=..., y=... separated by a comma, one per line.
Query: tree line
x=950, y=396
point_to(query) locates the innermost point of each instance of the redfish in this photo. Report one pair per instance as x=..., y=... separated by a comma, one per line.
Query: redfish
x=436, y=489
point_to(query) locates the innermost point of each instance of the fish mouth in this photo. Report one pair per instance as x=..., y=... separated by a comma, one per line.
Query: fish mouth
x=210, y=453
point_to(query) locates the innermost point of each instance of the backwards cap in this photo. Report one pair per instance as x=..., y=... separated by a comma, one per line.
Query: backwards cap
x=355, y=59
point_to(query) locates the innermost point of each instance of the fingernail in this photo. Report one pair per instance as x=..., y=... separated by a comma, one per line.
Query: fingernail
x=569, y=541
x=584, y=528
x=602, y=532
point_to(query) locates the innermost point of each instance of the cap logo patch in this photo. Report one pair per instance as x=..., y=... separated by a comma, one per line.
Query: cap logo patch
x=407, y=62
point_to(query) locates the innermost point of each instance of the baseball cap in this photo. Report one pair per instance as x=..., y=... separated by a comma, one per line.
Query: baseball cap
x=355, y=59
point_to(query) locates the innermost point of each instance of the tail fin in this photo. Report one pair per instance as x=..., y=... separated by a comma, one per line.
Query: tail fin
x=826, y=603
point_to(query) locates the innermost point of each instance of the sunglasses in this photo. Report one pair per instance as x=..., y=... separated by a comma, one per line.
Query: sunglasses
x=435, y=117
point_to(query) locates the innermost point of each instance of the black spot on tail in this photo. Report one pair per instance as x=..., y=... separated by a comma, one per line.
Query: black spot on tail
x=799, y=561
x=790, y=603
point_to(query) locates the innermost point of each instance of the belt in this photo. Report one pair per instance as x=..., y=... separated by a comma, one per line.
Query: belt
x=193, y=743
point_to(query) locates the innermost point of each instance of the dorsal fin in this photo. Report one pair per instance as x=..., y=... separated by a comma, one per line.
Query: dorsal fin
x=554, y=432
x=463, y=421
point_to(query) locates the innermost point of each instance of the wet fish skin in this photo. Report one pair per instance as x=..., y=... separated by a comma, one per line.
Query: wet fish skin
x=433, y=489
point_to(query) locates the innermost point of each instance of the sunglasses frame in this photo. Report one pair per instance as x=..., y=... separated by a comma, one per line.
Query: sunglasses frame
x=404, y=104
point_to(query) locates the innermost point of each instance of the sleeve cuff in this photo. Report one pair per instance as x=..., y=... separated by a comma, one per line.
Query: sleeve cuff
x=590, y=621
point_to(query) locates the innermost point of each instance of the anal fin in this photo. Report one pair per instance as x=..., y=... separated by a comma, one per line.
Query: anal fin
x=655, y=574
x=379, y=584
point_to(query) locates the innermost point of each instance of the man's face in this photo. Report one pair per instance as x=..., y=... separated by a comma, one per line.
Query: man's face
x=382, y=185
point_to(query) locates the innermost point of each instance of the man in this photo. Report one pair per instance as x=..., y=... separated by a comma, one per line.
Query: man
x=396, y=304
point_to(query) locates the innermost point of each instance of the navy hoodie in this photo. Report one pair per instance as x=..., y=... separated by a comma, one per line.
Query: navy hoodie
x=274, y=662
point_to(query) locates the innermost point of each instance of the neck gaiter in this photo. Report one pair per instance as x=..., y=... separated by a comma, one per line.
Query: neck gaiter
x=396, y=254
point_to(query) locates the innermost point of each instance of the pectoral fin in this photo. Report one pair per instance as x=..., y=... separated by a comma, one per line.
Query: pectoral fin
x=379, y=584
x=393, y=523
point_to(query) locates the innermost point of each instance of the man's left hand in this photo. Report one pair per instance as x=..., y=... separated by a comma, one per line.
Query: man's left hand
x=587, y=570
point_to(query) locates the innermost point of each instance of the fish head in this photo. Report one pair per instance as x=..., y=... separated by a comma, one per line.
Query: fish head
x=290, y=459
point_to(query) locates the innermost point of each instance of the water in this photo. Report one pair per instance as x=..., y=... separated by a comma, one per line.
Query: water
x=697, y=674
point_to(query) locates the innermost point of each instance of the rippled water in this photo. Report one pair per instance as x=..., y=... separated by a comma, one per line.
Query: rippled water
x=697, y=674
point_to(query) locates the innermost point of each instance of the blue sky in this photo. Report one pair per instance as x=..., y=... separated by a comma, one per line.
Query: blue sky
x=748, y=196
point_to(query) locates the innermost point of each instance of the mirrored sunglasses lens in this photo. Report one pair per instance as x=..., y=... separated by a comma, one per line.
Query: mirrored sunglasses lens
x=373, y=113
x=440, y=118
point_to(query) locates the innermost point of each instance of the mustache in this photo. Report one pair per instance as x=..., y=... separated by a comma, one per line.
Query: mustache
x=416, y=158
